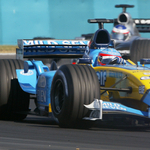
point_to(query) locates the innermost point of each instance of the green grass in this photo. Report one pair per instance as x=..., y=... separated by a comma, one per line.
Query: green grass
x=8, y=48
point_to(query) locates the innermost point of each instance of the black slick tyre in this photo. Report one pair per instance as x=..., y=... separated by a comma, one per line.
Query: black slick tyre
x=140, y=48
x=13, y=100
x=72, y=87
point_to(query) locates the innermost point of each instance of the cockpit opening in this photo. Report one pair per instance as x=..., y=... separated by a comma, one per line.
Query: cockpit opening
x=102, y=37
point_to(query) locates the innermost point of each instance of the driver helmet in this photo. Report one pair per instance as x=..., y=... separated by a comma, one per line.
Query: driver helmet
x=105, y=56
x=120, y=32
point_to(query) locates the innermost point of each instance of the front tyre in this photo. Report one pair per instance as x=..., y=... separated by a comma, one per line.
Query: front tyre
x=72, y=87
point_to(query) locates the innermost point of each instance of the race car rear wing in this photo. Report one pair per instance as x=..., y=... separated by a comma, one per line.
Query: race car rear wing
x=143, y=25
x=50, y=48
x=100, y=22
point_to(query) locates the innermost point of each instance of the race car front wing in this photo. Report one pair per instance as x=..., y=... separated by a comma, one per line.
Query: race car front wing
x=98, y=107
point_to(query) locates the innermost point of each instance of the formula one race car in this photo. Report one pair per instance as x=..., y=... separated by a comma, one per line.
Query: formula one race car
x=100, y=82
x=125, y=34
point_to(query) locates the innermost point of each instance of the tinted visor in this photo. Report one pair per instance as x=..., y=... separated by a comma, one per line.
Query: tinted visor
x=106, y=59
x=119, y=36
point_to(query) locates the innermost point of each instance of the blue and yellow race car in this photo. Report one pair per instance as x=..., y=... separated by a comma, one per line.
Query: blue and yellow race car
x=100, y=82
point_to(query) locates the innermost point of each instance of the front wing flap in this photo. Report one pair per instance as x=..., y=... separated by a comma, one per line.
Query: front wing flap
x=98, y=107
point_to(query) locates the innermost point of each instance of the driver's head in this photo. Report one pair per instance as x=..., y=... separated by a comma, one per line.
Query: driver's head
x=120, y=32
x=105, y=57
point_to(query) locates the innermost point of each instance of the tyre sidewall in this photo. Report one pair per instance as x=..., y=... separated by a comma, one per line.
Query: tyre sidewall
x=64, y=113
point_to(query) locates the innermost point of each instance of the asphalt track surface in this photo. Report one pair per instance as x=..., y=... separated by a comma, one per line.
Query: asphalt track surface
x=41, y=133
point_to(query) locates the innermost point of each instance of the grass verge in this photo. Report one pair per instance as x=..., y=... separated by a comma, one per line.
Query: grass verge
x=8, y=48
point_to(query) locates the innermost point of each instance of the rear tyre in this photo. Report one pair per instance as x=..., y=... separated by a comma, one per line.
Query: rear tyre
x=140, y=48
x=72, y=87
x=13, y=100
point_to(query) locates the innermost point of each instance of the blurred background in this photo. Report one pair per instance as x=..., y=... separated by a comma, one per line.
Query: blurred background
x=60, y=19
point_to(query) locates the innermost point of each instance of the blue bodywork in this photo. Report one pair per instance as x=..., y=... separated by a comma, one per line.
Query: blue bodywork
x=36, y=78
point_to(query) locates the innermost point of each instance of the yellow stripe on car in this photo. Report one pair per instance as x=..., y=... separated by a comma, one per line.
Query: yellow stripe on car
x=50, y=108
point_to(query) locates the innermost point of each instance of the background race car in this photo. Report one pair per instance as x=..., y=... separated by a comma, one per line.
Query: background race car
x=125, y=34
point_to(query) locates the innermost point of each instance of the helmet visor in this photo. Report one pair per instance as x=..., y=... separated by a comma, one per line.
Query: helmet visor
x=119, y=36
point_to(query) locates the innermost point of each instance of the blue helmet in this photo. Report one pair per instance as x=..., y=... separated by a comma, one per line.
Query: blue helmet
x=120, y=32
